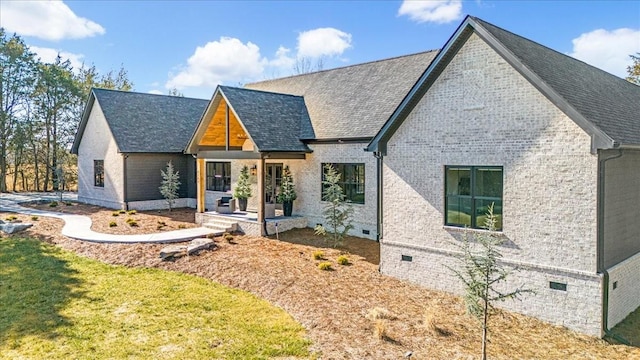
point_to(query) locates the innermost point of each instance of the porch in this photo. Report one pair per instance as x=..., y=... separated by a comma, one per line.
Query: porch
x=247, y=222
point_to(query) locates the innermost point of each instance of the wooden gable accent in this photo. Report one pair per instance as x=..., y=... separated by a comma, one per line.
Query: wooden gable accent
x=216, y=133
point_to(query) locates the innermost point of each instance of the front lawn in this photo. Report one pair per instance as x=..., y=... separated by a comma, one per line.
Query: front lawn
x=56, y=304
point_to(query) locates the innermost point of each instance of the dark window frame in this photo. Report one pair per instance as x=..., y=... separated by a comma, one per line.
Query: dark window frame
x=352, y=181
x=475, y=201
x=98, y=173
x=218, y=176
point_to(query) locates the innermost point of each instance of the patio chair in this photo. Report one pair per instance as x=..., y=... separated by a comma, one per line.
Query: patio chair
x=225, y=205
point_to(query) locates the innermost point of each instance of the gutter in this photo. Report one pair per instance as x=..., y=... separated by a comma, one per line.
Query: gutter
x=601, y=268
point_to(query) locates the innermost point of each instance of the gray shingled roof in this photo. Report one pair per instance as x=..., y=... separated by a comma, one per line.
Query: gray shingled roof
x=605, y=106
x=148, y=123
x=275, y=122
x=609, y=102
x=353, y=101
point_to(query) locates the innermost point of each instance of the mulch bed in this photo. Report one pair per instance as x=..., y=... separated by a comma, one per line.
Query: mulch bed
x=335, y=306
x=147, y=222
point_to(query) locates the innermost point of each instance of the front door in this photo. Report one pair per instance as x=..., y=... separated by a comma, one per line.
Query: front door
x=273, y=180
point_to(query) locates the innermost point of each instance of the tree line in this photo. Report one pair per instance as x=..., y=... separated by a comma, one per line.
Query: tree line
x=41, y=105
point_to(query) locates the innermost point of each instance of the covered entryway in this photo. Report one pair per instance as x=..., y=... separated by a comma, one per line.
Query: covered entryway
x=247, y=127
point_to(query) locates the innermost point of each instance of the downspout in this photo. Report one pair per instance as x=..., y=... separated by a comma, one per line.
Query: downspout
x=601, y=268
x=125, y=195
x=379, y=175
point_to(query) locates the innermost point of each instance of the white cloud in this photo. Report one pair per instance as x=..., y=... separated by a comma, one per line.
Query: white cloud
x=282, y=59
x=436, y=11
x=323, y=42
x=49, y=20
x=218, y=61
x=231, y=61
x=608, y=50
x=48, y=55
x=155, y=92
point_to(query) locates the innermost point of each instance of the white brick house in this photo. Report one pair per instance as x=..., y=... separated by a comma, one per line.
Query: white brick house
x=302, y=122
x=552, y=142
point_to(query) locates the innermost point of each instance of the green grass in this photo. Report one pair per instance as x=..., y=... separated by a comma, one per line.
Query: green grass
x=55, y=304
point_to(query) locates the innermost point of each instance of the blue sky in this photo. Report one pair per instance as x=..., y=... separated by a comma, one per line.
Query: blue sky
x=195, y=45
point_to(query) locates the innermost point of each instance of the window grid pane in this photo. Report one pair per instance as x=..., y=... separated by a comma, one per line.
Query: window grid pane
x=469, y=191
x=218, y=176
x=352, y=181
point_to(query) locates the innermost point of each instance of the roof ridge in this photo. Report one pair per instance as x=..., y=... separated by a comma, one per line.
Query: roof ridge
x=345, y=67
x=261, y=91
x=143, y=93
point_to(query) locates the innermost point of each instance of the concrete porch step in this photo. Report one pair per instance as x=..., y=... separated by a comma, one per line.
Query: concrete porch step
x=222, y=225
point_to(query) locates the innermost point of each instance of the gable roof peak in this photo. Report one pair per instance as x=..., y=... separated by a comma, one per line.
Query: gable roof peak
x=605, y=106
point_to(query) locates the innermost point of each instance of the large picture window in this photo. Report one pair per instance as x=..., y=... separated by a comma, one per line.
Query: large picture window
x=219, y=176
x=98, y=173
x=470, y=190
x=351, y=181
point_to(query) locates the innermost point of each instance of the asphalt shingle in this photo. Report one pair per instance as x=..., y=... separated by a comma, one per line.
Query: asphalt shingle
x=353, y=101
x=149, y=123
x=275, y=122
x=610, y=103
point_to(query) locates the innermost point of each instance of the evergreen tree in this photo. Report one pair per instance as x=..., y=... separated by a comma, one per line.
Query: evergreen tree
x=337, y=212
x=170, y=184
x=243, y=187
x=482, y=273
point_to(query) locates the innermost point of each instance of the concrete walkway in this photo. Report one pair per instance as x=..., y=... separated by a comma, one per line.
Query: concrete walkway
x=79, y=226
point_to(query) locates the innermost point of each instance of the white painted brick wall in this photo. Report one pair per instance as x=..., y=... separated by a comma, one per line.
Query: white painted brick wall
x=307, y=180
x=480, y=111
x=308, y=175
x=98, y=144
x=626, y=297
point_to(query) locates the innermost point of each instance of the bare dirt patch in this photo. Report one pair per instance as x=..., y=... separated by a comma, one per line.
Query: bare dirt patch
x=336, y=306
x=146, y=222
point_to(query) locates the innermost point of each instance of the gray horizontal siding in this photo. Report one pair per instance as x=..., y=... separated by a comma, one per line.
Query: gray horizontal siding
x=621, y=207
x=144, y=178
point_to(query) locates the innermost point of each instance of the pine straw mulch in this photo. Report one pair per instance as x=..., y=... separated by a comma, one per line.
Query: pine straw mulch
x=334, y=305
x=147, y=222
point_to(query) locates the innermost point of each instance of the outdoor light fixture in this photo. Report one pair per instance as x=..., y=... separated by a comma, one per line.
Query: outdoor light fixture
x=254, y=170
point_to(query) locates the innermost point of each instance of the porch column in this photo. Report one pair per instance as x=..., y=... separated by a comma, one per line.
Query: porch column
x=201, y=180
x=261, y=193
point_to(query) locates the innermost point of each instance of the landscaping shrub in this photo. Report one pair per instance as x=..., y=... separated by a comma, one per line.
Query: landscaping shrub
x=318, y=255
x=182, y=226
x=133, y=223
x=115, y=213
x=162, y=223
x=343, y=260
x=324, y=265
x=11, y=218
x=69, y=203
x=113, y=224
x=380, y=329
x=122, y=212
x=228, y=237
x=53, y=204
x=34, y=218
x=131, y=212
x=379, y=313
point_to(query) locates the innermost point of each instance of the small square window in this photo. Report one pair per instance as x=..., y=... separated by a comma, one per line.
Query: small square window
x=469, y=192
